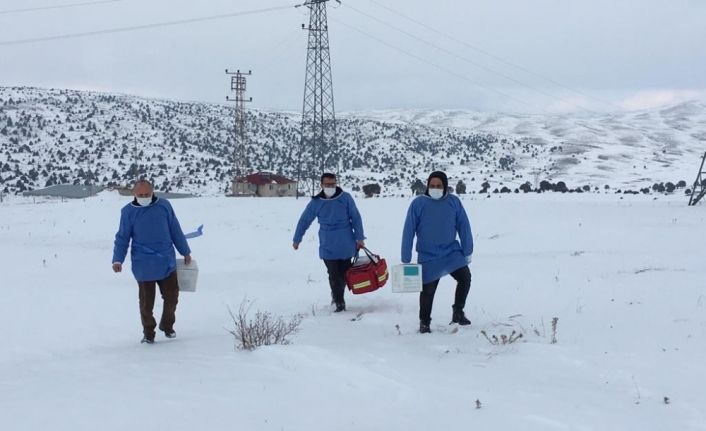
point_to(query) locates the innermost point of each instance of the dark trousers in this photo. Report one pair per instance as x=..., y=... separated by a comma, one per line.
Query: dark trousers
x=337, y=277
x=169, y=288
x=463, y=286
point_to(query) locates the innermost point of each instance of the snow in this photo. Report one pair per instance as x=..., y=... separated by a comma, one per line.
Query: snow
x=623, y=274
x=627, y=147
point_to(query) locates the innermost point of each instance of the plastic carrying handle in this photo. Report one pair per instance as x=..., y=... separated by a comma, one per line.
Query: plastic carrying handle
x=373, y=258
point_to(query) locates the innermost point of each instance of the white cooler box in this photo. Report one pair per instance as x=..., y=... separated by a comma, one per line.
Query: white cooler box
x=407, y=277
x=187, y=275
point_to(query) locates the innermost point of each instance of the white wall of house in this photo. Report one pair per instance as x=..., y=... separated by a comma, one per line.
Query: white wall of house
x=243, y=188
x=277, y=190
x=266, y=190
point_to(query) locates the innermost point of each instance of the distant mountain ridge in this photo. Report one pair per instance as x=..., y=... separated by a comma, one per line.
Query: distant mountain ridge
x=57, y=136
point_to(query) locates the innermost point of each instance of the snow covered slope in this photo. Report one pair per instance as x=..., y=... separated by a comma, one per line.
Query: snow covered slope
x=65, y=136
x=623, y=148
x=619, y=273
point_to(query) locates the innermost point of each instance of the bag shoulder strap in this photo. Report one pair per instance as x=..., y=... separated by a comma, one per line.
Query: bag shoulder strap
x=373, y=257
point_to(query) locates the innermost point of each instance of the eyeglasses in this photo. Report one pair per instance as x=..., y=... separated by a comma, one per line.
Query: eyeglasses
x=327, y=184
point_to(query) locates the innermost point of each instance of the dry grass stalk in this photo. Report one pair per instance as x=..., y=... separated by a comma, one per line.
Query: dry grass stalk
x=555, y=322
x=504, y=339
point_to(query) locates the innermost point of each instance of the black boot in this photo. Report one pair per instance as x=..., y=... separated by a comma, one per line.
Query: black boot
x=459, y=317
x=424, y=327
x=340, y=306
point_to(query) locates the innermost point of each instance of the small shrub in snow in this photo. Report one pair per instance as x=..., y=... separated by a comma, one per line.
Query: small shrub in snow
x=371, y=189
x=484, y=187
x=263, y=330
x=546, y=186
x=418, y=187
x=555, y=322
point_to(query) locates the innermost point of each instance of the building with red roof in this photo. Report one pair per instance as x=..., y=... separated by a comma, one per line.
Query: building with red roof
x=264, y=184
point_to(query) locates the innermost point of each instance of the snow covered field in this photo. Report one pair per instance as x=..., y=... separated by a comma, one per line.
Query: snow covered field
x=625, y=277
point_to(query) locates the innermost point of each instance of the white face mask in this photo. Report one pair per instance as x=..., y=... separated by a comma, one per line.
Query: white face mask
x=144, y=201
x=329, y=191
x=436, y=193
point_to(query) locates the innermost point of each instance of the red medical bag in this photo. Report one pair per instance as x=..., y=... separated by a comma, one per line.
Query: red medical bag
x=364, y=277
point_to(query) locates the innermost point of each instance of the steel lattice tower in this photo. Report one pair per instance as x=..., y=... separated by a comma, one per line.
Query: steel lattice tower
x=318, y=149
x=238, y=85
x=699, y=189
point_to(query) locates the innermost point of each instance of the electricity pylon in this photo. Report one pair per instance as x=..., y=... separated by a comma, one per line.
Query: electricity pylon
x=318, y=148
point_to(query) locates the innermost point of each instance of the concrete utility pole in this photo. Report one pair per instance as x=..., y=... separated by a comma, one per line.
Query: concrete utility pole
x=238, y=85
x=135, y=160
x=318, y=149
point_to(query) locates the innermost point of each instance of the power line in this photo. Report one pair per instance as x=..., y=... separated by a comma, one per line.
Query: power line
x=279, y=55
x=491, y=55
x=467, y=60
x=458, y=75
x=437, y=66
x=265, y=56
x=141, y=27
x=59, y=6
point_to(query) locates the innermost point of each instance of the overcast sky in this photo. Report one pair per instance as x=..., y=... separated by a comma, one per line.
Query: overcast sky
x=582, y=53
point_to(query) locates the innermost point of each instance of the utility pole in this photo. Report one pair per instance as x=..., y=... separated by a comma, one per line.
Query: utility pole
x=318, y=149
x=699, y=189
x=238, y=85
x=135, y=159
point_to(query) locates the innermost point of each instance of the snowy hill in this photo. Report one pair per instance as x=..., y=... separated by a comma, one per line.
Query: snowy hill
x=65, y=136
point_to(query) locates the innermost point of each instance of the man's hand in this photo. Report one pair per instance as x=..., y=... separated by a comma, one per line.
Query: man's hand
x=295, y=245
x=117, y=267
x=187, y=259
x=360, y=244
